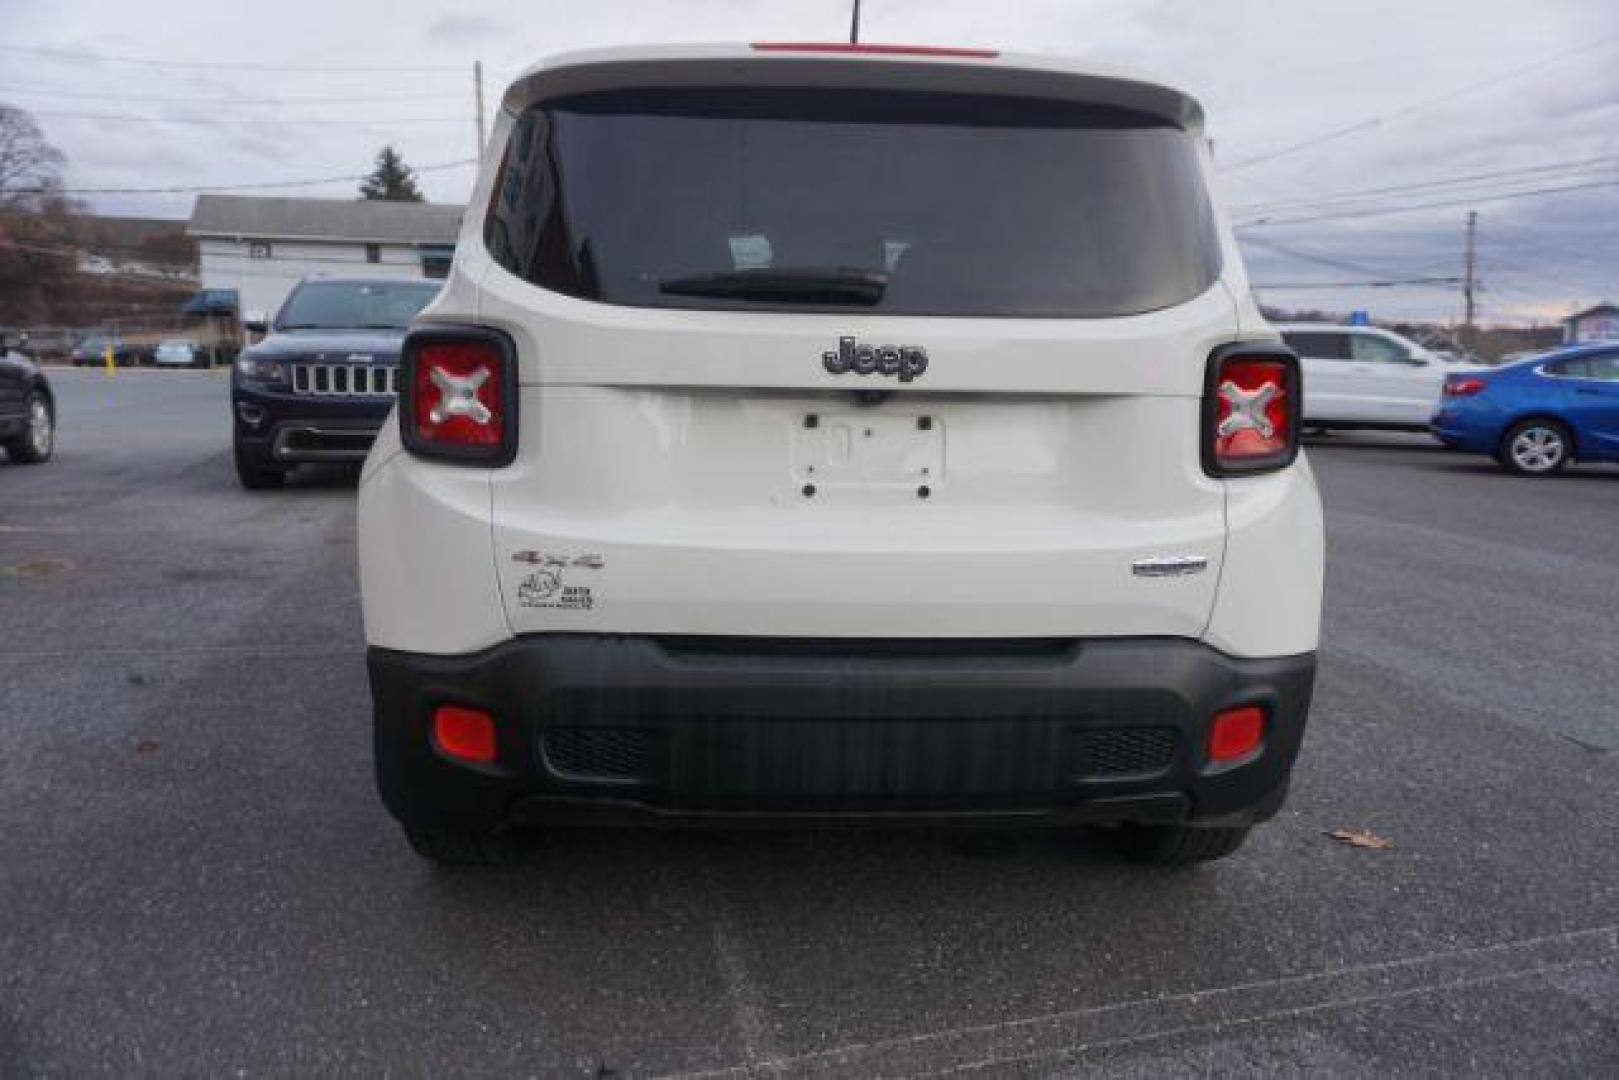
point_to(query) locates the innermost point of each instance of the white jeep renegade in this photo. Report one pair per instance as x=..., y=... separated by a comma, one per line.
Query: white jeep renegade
x=831, y=434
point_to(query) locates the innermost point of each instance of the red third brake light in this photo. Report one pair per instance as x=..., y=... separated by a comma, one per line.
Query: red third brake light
x=1463, y=386
x=1250, y=410
x=862, y=47
x=459, y=401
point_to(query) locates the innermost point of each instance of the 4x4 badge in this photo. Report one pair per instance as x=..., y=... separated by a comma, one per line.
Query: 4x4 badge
x=905, y=362
x=544, y=558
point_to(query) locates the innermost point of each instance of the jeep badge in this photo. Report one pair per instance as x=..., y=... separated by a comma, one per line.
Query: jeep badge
x=907, y=362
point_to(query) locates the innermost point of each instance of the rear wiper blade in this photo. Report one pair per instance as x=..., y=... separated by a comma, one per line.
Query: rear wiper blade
x=794, y=285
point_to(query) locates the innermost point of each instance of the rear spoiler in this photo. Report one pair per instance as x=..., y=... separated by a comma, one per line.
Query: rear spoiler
x=962, y=71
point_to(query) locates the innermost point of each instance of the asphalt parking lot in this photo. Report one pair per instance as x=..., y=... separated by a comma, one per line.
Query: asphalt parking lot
x=196, y=875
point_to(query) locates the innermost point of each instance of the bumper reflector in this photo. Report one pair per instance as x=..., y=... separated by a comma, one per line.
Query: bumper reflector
x=467, y=734
x=1236, y=733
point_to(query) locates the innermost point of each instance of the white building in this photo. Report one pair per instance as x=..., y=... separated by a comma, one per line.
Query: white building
x=1600, y=323
x=262, y=247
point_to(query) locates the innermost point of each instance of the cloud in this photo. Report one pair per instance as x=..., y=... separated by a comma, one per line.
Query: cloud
x=1270, y=75
x=467, y=27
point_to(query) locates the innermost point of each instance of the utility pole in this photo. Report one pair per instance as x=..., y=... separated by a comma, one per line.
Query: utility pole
x=477, y=94
x=854, y=25
x=1470, y=282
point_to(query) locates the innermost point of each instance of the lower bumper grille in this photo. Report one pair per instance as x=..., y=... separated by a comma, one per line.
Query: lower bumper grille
x=1117, y=752
x=600, y=753
x=836, y=757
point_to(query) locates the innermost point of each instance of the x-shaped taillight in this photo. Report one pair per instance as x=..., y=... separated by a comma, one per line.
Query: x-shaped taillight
x=458, y=396
x=1248, y=410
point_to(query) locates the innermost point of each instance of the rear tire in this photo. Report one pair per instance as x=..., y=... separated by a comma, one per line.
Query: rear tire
x=1535, y=448
x=456, y=845
x=38, y=439
x=255, y=477
x=1178, y=845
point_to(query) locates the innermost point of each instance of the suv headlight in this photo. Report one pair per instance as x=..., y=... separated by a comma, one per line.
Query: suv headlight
x=270, y=371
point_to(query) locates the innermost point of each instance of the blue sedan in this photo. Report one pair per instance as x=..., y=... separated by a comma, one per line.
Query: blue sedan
x=1536, y=416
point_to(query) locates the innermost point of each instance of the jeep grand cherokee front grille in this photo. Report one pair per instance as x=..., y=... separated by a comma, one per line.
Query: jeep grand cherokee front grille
x=345, y=380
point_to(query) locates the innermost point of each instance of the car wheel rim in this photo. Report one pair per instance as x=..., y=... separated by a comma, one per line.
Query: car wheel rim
x=1537, y=449
x=39, y=428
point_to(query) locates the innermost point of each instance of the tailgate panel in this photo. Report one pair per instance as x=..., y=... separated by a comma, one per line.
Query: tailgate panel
x=686, y=512
x=663, y=483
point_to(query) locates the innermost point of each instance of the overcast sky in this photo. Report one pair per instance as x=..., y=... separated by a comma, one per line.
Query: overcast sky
x=1525, y=91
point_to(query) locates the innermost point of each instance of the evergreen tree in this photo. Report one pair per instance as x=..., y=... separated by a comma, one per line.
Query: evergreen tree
x=391, y=179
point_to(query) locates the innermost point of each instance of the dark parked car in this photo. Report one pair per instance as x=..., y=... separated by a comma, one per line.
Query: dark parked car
x=321, y=384
x=93, y=350
x=27, y=409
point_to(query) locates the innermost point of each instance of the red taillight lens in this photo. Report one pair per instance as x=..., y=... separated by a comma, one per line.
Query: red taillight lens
x=466, y=734
x=1251, y=410
x=1463, y=386
x=460, y=395
x=1236, y=733
x=456, y=393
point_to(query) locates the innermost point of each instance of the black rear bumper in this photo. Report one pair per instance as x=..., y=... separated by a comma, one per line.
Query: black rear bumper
x=609, y=729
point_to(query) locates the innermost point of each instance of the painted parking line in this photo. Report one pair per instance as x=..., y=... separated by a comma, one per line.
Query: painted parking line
x=1052, y=1037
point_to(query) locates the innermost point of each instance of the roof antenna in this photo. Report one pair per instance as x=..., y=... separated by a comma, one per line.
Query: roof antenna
x=854, y=25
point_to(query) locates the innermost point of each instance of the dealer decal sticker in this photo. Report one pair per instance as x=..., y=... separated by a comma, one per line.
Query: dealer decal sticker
x=548, y=587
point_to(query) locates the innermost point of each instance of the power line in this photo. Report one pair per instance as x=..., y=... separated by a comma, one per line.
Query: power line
x=127, y=118
x=1412, y=207
x=1380, y=284
x=1549, y=283
x=1418, y=106
x=1310, y=256
x=195, y=189
x=1523, y=172
x=228, y=65
x=195, y=99
x=1509, y=268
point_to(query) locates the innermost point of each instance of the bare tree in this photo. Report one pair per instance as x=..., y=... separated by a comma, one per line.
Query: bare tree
x=29, y=165
x=38, y=229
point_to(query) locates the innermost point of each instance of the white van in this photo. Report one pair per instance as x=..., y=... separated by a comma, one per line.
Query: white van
x=824, y=434
x=1367, y=377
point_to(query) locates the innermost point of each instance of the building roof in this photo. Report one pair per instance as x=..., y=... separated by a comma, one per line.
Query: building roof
x=1600, y=309
x=368, y=221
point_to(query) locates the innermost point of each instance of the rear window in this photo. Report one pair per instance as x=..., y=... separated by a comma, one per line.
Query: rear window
x=895, y=203
x=1318, y=344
